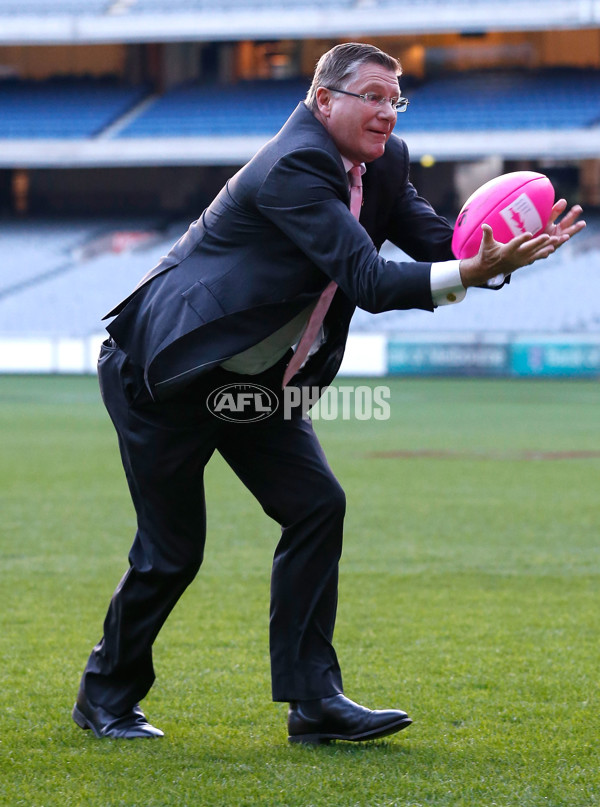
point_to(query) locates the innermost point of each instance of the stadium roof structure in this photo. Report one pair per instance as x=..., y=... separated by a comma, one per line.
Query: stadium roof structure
x=105, y=21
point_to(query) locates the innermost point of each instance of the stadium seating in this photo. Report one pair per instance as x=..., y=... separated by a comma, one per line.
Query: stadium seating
x=554, y=99
x=48, y=288
x=483, y=101
x=63, y=108
x=558, y=295
x=58, y=278
x=248, y=107
x=31, y=249
x=551, y=99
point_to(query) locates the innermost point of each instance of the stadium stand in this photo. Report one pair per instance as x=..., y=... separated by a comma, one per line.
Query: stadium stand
x=31, y=249
x=63, y=108
x=470, y=87
x=558, y=295
x=550, y=99
x=51, y=284
x=247, y=107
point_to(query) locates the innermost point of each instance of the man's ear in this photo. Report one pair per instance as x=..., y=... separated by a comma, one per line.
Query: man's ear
x=323, y=96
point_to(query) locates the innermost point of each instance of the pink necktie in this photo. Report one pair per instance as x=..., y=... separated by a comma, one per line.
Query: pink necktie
x=324, y=301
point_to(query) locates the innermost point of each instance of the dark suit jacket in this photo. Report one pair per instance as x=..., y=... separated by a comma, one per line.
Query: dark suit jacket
x=267, y=246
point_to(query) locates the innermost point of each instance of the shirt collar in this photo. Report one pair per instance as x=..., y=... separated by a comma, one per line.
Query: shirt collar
x=348, y=164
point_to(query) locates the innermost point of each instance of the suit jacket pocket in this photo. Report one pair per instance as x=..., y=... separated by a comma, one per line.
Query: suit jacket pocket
x=201, y=299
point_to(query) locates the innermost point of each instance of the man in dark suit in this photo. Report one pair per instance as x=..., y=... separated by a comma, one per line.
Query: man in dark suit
x=225, y=306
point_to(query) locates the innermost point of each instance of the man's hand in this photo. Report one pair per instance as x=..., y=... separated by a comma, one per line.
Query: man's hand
x=495, y=258
x=569, y=225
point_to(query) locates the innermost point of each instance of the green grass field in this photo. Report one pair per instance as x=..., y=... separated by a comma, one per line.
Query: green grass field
x=469, y=597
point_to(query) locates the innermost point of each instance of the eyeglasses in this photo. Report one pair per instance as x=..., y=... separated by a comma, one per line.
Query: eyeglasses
x=375, y=100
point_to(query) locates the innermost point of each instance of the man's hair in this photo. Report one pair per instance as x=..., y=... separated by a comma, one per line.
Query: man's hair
x=337, y=67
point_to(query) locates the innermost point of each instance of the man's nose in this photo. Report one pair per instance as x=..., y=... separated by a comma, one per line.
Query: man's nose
x=387, y=112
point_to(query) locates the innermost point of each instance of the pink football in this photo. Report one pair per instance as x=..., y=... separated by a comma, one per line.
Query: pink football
x=515, y=203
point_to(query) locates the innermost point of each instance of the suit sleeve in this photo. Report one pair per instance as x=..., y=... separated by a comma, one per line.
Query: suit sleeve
x=411, y=222
x=418, y=229
x=305, y=196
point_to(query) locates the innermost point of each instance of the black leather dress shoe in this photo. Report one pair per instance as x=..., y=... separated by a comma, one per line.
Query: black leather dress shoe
x=129, y=726
x=338, y=718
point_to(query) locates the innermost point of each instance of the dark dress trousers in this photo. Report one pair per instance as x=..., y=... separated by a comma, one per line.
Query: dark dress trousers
x=262, y=252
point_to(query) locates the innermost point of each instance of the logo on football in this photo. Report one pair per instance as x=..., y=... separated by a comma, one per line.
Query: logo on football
x=522, y=216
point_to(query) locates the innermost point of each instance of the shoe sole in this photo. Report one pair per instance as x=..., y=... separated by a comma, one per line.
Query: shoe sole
x=325, y=739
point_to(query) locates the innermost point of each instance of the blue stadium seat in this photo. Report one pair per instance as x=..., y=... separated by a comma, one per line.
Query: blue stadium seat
x=62, y=108
x=193, y=109
x=553, y=99
x=482, y=101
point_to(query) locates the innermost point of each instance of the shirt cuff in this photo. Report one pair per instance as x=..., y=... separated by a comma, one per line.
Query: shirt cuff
x=446, y=286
